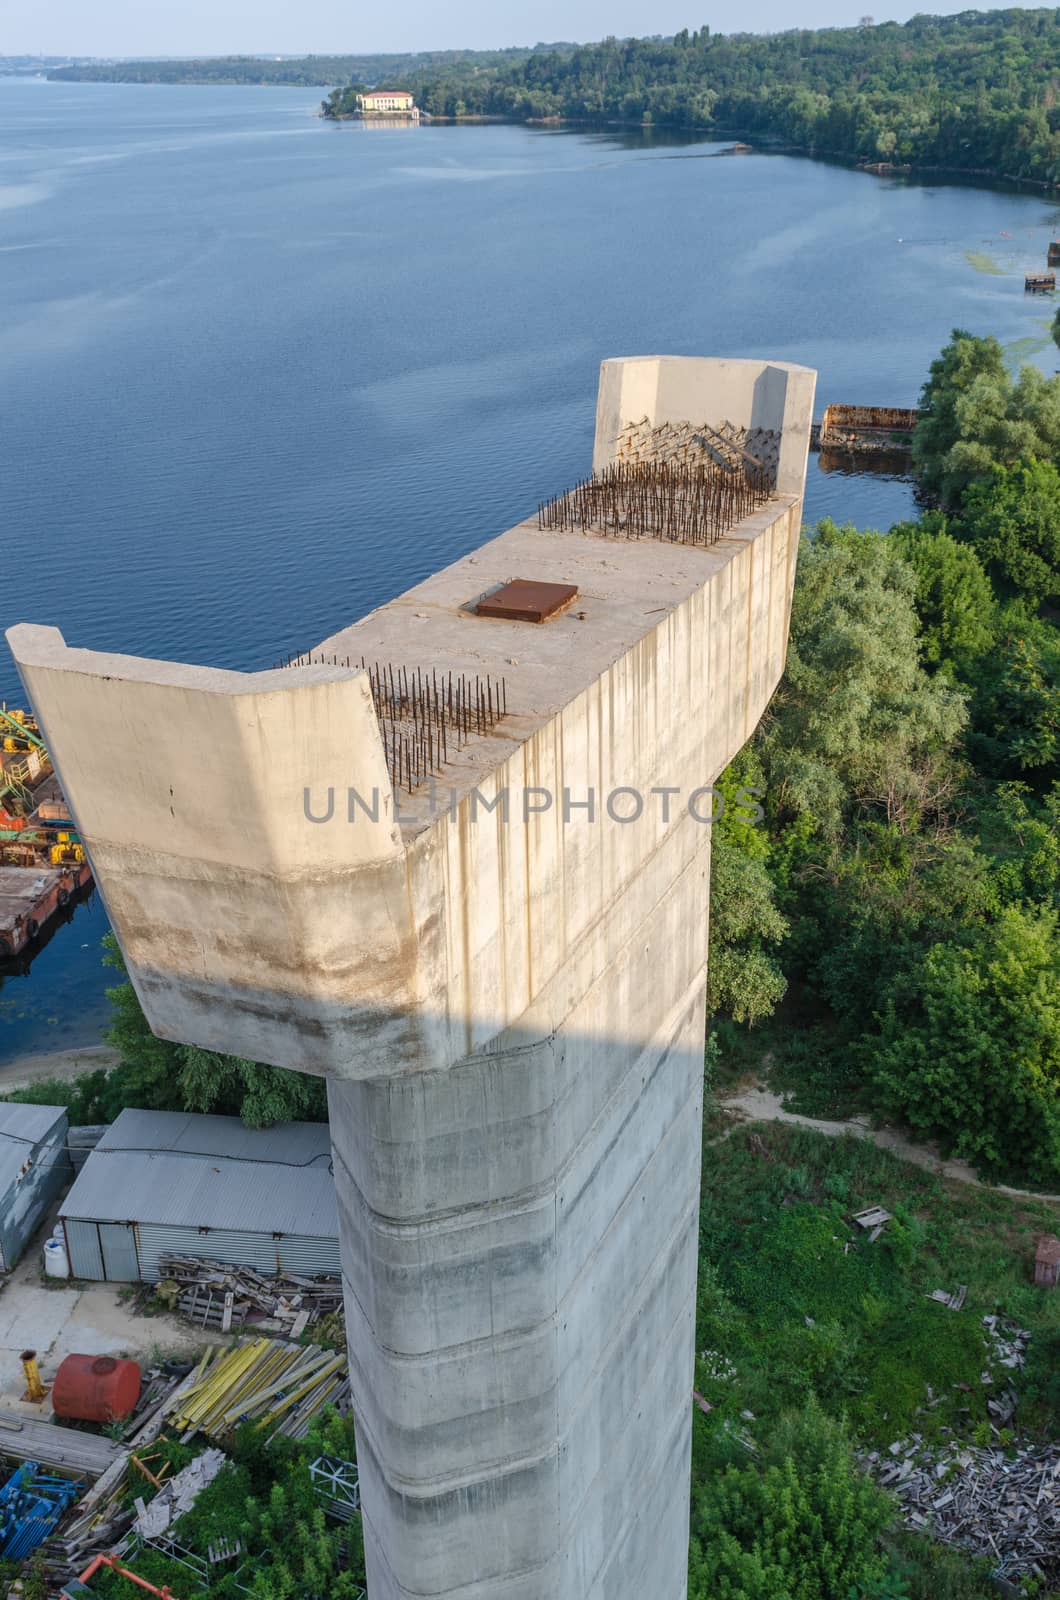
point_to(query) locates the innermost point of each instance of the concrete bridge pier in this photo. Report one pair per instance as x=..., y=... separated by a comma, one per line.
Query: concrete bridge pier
x=501, y=975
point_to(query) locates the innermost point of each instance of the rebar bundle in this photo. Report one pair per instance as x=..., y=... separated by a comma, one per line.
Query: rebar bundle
x=682, y=503
x=422, y=715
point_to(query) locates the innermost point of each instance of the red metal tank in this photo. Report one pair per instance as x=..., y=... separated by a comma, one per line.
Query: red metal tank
x=96, y=1388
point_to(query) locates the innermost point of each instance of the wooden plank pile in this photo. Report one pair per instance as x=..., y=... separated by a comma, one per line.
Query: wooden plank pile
x=214, y=1294
x=68, y=1451
x=279, y=1386
x=1001, y=1505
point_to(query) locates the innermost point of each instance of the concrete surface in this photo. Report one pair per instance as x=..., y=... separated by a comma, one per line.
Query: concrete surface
x=85, y=1320
x=509, y=1008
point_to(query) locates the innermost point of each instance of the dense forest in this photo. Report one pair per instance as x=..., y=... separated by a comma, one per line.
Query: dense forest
x=974, y=92
x=893, y=928
x=310, y=71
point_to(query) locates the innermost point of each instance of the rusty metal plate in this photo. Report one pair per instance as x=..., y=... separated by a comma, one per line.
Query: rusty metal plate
x=523, y=600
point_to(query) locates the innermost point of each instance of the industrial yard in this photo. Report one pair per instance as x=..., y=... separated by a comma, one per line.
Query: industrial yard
x=135, y=1379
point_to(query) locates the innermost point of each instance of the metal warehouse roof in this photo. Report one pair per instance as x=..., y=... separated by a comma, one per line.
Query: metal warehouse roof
x=176, y=1169
x=19, y=1124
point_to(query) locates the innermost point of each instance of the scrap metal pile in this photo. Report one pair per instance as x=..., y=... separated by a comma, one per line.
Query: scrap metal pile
x=279, y=1387
x=1001, y=1505
x=216, y=1295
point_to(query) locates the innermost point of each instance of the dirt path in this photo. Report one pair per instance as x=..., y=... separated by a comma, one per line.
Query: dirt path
x=762, y=1105
x=21, y=1071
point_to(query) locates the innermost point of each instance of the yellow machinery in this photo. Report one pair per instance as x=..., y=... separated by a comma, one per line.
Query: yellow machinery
x=35, y=1390
x=67, y=852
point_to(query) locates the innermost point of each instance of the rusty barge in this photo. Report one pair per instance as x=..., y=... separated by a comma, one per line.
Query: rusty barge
x=43, y=867
x=865, y=429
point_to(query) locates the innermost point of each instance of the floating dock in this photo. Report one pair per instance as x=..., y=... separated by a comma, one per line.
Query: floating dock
x=42, y=860
x=1040, y=282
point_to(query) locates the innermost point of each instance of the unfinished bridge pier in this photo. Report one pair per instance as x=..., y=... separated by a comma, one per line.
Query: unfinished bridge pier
x=458, y=862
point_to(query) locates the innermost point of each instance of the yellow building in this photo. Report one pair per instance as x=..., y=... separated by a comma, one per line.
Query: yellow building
x=388, y=102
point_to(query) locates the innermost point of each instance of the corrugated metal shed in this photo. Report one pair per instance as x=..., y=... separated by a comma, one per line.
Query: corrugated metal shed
x=203, y=1186
x=19, y=1125
x=34, y=1168
x=209, y=1172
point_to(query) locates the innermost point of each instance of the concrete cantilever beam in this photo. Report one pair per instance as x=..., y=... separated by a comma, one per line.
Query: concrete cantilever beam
x=505, y=990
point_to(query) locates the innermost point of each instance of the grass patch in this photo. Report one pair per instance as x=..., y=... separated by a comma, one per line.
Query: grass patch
x=793, y=1299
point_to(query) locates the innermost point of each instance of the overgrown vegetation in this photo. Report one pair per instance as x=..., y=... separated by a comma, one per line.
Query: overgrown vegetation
x=973, y=92
x=907, y=878
x=814, y=1343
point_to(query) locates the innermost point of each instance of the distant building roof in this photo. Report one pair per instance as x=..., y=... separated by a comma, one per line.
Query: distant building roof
x=178, y=1169
x=21, y=1127
x=387, y=94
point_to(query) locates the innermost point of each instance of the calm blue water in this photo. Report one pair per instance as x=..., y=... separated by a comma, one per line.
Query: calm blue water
x=259, y=373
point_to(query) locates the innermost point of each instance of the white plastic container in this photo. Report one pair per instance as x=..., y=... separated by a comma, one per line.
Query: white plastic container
x=56, y=1261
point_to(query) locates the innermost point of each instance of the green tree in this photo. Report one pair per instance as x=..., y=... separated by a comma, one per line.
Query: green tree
x=969, y=1051
x=974, y=418
x=954, y=599
x=800, y=1523
x=1012, y=521
x=966, y=366
x=856, y=720
x=745, y=979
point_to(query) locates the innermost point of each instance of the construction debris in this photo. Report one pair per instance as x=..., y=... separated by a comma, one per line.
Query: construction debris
x=1004, y=1506
x=281, y=1387
x=216, y=1295
x=874, y=1217
x=178, y=1495
x=101, y=1520
x=953, y=1301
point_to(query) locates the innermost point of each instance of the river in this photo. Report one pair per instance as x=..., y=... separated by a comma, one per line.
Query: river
x=259, y=373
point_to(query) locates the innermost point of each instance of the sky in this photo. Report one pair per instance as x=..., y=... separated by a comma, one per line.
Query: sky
x=248, y=27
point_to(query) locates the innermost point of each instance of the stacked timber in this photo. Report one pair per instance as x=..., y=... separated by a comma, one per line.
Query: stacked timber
x=213, y=1294
x=67, y=1451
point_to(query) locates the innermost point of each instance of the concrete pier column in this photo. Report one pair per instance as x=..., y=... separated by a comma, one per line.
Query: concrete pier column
x=519, y=1254
x=500, y=971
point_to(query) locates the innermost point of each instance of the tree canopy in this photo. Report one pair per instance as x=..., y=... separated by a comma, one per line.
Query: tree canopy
x=969, y=92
